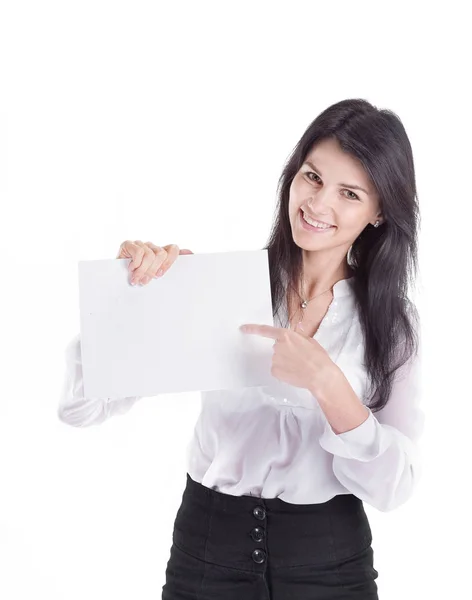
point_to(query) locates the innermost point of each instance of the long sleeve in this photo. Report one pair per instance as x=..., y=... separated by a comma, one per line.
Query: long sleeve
x=379, y=461
x=76, y=410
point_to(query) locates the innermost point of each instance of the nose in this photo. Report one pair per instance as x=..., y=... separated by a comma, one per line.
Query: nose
x=321, y=202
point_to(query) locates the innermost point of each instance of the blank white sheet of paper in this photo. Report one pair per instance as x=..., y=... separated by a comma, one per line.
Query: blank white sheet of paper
x=178, y=333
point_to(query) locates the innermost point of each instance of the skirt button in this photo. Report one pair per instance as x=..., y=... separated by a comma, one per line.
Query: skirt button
x=258, y=556
x=259, y=513
x=257, y=534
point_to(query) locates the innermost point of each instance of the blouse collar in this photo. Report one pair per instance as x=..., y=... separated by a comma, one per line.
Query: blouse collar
x=343, y=287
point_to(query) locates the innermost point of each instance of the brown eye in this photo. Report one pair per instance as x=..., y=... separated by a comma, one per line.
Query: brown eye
x=311, y=173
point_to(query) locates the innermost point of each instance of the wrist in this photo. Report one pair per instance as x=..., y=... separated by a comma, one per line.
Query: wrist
x=325, y=378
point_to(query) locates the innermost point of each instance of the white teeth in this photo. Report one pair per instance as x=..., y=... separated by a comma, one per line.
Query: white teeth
x=315, y=223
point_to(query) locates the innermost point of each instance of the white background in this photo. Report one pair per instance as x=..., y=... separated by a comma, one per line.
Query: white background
x=171, y=123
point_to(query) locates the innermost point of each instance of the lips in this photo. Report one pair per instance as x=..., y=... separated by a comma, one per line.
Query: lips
x=302, y=212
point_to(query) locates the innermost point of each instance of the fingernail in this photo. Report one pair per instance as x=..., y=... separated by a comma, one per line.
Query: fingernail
x=158, y=274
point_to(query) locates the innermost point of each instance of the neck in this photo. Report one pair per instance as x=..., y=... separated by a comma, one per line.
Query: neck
x=317, y=278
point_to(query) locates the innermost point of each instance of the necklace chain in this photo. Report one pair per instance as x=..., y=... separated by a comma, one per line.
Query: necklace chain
x=304, y=303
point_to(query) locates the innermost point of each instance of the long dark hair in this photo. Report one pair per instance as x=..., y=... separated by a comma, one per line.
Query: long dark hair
x=384, y=260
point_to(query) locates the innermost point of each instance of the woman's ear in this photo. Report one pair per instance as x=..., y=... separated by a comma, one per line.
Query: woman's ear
x=379, y=217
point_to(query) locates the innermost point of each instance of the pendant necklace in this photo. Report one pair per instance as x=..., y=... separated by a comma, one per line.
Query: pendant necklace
x=304, y=303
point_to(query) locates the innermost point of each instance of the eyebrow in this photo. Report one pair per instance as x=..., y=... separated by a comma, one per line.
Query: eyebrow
x=354, y=187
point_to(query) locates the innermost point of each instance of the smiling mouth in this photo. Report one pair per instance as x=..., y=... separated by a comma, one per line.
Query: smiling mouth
x=307, y=225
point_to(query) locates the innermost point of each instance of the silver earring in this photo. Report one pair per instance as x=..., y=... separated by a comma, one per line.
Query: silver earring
x=377, y=223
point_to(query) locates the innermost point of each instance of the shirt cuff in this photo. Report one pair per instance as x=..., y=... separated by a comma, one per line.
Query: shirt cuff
x=364, y=443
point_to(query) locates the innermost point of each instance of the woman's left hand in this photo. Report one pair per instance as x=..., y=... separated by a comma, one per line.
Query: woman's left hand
x=298, y=359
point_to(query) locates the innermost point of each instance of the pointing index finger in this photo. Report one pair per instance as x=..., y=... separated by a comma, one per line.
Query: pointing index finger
x=265, y=330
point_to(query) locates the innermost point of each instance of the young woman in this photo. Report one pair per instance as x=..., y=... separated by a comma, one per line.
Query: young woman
x=277, y=475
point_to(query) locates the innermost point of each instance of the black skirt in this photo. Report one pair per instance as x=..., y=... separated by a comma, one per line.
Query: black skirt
x=228, y=547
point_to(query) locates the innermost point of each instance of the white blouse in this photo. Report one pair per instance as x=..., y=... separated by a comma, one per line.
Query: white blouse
x=275, y=441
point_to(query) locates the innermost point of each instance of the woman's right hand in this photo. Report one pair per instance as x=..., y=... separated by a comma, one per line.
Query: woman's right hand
x=148, y=260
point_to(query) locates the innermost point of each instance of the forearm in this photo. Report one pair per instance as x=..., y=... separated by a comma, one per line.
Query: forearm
x=378, y=461
x=339, y=402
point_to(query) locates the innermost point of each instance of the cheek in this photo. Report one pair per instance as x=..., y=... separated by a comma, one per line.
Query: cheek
x=293, y=201
x=352, y=219
x=298, y=191
x=292, y=193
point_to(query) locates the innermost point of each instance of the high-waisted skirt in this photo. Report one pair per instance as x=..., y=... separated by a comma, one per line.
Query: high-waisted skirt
x=227, y=547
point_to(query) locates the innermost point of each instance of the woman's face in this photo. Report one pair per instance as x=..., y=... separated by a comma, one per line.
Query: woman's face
x=326, y=190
